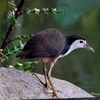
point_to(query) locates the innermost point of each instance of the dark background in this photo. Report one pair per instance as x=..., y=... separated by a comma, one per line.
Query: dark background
x=80, y=67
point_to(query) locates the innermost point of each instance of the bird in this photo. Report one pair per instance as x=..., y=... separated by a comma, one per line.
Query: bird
x=48, y=46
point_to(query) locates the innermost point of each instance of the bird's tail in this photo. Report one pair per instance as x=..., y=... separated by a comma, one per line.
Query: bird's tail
x=22, y=54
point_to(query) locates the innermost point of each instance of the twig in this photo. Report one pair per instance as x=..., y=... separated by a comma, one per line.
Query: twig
x=11, y=27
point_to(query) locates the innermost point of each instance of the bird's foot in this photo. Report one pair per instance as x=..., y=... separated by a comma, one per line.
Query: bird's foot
x=54, y=94
x=45, y=84
x=48, y=86
x=38, y=78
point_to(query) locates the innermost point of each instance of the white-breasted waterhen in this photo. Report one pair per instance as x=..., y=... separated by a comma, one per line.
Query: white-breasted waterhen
x=48, y=46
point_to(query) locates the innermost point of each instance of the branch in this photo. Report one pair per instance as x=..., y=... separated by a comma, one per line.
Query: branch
x=11, y=27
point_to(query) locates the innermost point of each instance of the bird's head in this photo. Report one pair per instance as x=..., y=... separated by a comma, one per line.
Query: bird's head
x=77, y=41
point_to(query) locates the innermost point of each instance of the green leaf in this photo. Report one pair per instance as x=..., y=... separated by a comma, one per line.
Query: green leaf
x=45, y=10
x=27, y=11
x=36, y=11
x=13, y=51
x=22, y=37
x=26, y=66
x=11, y=18
x=11, y=4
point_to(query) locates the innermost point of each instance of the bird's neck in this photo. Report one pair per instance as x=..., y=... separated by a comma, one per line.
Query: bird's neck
x=71, y=48
x=68, y=48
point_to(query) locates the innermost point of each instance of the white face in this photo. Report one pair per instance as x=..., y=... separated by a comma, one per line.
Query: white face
x=75, y=45
x=78, y=44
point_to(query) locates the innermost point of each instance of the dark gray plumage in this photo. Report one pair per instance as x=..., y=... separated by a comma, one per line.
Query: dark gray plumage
x=50, y=45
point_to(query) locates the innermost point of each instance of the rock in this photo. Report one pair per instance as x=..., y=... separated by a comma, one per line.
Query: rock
x=15, y=84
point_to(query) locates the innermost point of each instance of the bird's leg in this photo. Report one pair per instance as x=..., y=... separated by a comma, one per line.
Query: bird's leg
x=45, y=75
x=46, y=84
x=49, y=78
x=38, y=78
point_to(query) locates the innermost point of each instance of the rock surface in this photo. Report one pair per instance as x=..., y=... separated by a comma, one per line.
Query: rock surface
x=15, y=84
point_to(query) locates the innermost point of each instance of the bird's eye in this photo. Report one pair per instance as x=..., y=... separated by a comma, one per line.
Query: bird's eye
x=81, y=41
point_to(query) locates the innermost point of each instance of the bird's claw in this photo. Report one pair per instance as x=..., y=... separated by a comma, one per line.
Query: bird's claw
x=45, y=84
x=51, y=92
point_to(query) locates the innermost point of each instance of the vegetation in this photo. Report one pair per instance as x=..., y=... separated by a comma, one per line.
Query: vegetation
x=82, y=17
x=13, y=18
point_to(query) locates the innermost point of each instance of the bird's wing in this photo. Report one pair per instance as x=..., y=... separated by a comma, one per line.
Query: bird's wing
x=46, y=43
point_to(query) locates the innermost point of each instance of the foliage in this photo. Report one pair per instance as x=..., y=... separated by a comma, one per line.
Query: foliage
x=13, y=18
x=11, y=14
x=44, y=11
x=26, y=66
x=13, y=50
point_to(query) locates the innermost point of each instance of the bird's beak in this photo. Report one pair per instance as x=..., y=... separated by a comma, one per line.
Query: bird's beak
x=87, y=46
